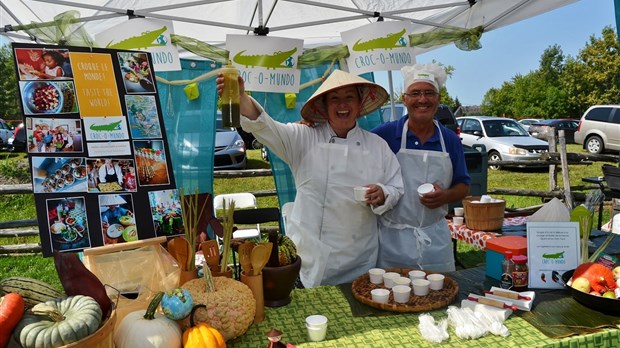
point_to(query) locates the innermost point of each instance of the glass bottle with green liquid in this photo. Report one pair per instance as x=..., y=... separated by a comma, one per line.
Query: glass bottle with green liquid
x=230, y=96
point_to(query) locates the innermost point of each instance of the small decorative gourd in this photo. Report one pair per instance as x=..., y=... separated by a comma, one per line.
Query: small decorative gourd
x=202, y=335
x=150, y=329
x=230, y=304
x=59, y=322
x=177, y=303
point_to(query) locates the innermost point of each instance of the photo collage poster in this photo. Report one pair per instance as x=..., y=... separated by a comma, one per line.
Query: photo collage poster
x=101, y=172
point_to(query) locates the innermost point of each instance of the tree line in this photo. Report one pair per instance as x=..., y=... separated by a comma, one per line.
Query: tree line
x=562, y=86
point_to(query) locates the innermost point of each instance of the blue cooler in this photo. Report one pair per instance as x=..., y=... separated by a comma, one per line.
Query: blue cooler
x=495, y=253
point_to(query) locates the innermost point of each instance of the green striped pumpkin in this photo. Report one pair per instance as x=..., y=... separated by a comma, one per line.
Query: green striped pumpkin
x=33, y=291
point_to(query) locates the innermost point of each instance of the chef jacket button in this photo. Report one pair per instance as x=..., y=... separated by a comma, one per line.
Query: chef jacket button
x=358, y=143
x=331, y=140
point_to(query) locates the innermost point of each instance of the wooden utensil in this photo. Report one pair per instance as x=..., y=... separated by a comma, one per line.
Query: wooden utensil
x=259, y=254
x=179, y=248
x=245, y=252
x=269, y=246
x=211, y=251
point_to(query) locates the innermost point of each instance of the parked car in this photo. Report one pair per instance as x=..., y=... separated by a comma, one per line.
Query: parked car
x=543, y=129
x=599, y=129
x=229, y=148
x=526, y=122
x=6, y=132
x=18, y=142
x=504, y=138
x=443, y=115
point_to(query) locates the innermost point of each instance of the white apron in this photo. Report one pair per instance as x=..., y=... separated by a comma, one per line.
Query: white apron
x=412, y=235
x=336, y=236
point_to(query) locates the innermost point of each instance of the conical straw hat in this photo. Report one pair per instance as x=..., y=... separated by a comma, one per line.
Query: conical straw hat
x=372, y=95
x=106, y=200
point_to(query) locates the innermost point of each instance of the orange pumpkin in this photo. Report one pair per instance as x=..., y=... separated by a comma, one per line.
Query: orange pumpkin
x=202, y=335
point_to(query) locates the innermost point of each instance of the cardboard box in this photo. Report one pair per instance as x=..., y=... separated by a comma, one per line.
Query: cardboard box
x=495, y=253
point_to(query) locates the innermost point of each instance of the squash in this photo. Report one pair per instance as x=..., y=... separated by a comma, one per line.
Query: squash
x=32, y=290
x=59, y=322
x=11, y=311
x=202, y=335
x=76, y=279
x=148, y=329
x=177, y=303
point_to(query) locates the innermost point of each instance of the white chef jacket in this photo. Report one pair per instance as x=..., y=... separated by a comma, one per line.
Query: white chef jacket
x=336, y=236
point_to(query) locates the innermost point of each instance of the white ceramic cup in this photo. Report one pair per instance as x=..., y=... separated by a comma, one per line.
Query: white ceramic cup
x=388, y=279
x=420, y=287
x=376, y=275
x=425, y=188
x=380, y=295
x=486, y=199
x=416, y=274
x=401, y=281
x=401, y=293
x=436, y=281
x=457, y=220
x=360, y=193
x=458, y=211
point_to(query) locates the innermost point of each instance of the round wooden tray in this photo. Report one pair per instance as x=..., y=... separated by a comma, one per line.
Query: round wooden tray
x=435, y=299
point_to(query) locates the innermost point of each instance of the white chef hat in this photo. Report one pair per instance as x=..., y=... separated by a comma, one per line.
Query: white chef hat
x=430, y=73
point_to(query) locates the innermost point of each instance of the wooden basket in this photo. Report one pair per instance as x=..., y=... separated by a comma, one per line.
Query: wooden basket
x=483, y=216
x=102, y=338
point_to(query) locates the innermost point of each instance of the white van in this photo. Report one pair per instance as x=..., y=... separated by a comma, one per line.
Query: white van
x=599, y=129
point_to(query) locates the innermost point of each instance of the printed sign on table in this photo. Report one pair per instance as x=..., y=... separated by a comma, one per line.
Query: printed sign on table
x=267, y=64
x=379, y=46
x=552, y=249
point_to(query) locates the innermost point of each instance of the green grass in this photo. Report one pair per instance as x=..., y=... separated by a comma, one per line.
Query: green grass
x=17, y=207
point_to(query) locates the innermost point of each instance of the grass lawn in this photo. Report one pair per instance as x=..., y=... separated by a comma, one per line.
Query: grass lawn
x=17, y=207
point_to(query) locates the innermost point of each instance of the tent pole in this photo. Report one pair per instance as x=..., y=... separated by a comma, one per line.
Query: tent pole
x=392, y=107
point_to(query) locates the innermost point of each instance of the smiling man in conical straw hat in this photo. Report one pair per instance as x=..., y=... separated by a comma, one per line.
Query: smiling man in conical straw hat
x=336, y=236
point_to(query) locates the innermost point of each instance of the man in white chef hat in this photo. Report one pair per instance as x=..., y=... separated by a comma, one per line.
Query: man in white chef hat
x=415, y=234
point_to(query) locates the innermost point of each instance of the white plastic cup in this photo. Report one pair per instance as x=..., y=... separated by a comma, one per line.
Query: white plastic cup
x=457, y=220
x=416, y=274
x=360, y=193
x=458, y=211
x=376, y=275
x=486, y=199
x=388, y=279
x=316, y=321
x=401, y=293
x=436, y=281
x=401, y=281
x=316, y=334
x=420, y=287
x=425, y=188
x=380, y=295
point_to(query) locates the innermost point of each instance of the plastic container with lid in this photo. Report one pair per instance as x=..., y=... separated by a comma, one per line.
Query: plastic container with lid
x=520, y=273
x=230, y=97
x=495, y=250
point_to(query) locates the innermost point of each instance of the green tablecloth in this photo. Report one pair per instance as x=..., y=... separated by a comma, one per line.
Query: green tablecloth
x=398, y=330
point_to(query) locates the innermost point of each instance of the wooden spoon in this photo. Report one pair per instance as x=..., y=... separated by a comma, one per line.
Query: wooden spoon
x=259, y=254
x=179, y=248
x=245, y=252
x=211, y=251
x=269, y=246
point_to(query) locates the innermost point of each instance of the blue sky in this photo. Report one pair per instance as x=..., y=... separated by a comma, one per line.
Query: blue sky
x=516, y=49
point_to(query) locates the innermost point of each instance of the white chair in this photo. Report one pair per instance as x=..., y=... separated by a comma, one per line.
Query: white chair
x=244, y=200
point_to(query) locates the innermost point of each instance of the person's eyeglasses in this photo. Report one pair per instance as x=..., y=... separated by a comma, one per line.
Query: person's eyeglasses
x=417, y=94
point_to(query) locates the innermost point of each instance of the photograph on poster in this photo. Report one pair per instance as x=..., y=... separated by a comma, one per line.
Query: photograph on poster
x=43, y=64
x=58, y=174
x=67, y=222
x=143, y=116
x=151, y=162
x=110, y=175
x=166, y=212
x=136, y=72
x=118, y=224
x=53, y=135
x=48, y=97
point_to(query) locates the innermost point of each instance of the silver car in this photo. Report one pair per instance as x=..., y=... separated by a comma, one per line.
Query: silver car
x=504, y=138
x=230, y=152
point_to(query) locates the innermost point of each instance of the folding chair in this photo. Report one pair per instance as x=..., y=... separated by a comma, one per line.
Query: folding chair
x=242, y=200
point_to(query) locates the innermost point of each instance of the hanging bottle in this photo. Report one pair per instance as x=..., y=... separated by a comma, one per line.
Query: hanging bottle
x=230, y=96
x=507, y=269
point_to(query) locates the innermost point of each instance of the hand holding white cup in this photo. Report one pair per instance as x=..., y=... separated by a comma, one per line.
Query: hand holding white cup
x=425, y=188
x=360, y=193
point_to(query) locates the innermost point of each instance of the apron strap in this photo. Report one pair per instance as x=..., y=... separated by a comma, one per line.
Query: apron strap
x=422, y=240
x=403, y=139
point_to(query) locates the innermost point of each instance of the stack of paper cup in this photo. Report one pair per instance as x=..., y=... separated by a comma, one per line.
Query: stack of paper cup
x=317, y=327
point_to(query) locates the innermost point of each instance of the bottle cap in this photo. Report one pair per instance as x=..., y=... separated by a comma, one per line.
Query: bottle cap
x=519, y=259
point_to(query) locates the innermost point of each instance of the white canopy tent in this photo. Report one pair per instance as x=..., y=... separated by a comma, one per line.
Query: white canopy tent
x=317, y=22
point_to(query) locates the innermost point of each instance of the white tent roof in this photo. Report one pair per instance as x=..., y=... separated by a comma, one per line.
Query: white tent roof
x=317, y=22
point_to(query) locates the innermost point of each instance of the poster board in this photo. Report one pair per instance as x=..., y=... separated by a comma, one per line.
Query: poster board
x=101, y=172
x=552, y=249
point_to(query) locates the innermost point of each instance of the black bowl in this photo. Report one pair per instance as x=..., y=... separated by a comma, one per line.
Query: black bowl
x=598, y=303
